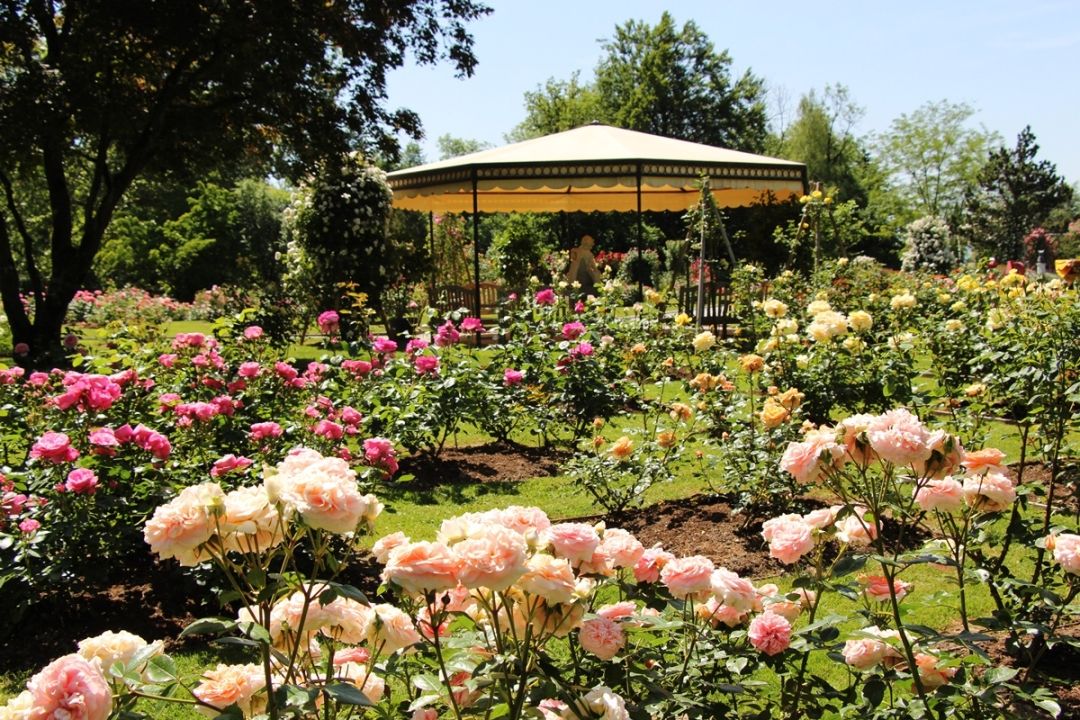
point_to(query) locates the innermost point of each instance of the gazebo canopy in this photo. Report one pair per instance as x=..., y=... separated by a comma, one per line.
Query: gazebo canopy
x=594, y=167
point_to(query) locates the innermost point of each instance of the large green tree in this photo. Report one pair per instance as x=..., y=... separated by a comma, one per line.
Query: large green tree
x=671, y=81
x=1015, y=193
x=557, y=106
x=933, y=156
x=96, y=93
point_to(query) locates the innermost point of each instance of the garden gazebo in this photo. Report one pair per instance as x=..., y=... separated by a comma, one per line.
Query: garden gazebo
x=592, y=168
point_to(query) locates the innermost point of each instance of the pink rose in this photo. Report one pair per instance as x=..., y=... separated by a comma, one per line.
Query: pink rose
x=732, y=590
x=384, y=346
x=328, y=429
x=325, y=494
x=687, y=576
x=248, y=369
x=447, y=335
x=573, y=330
x=81, y=481
x=946, y=455
x=264, y=430
x=167, y=360
x=104, y=441
x=617, y=611
x=652, y=561
x=426, y=364
x=357, y=368
x=512, y=377
x=942, y=495
x=899, y=438
x=472, y=324
x=864, y=653
x=789, y=538
x=29, y=526
x=329, y=322
x=253, y=332
x=574, y=541
x=602, y=637
x=70, y=687
x=804, y=461
x=545, y=297
x=390, y=630
x=380, y=453
x=770, y=633
x=54, y=447
x=421, y=567
x=1066, y=549
x=820, y=519
x=992, y=492
x=228, y=463
x=877, y=588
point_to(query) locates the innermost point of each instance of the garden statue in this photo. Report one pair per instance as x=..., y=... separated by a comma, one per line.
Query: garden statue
x=583, y=268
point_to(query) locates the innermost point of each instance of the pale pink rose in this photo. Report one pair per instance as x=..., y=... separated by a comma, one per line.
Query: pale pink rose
x=946, y=455
x=770, y=633
x=250, y=522
x=324, y=494
x=550, y=709
x=492, y=559
x=425, y=713
x=371, y=685
x=807, y=460
x=599, y=564
x=789, y=538
x=179, y=527
x=992, y=492
x=529, y=521
x=1066, y=548
x=931, y=673
x=550, y=578
x=342, y=619
x=114, y=647
x=899, y=438
x=574, y=541
x=358, y=655
x=601, y=702
x=228, y=685
x=602, y=637
x=687, y=576
x=390, y=630
x=383, y=547
x=652, y=561
x=866, y=652
x=987, y=459
x=877, y=588
x=856, y=531
x=820, y=519
x=621, y=548
x=617, y=611
x=732, y=590
x=420, y=567
x=945, y=496
x=70, y=688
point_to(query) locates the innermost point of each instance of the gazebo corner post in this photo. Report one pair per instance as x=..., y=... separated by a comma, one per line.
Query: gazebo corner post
x=432, y=279
x=640, y=237
x=476, y=248
x=699, y=310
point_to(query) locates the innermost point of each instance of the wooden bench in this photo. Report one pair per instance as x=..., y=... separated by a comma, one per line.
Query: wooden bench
x=717, y=309
x=449, y=298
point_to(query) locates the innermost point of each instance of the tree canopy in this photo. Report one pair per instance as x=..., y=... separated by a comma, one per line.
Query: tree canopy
x=122, y=88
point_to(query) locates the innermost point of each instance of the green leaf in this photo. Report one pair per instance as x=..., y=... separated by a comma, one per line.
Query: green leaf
x=1049, y=706
x=208, y=626
x=874, y=691
x=998, y=675
x=161, y=669
x=848, y=564
x=347, y=694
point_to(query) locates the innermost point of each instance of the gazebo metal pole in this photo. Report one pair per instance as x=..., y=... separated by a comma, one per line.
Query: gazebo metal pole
x=640, y=238
x=700, y=310
x=432, y=300
x=476, y=249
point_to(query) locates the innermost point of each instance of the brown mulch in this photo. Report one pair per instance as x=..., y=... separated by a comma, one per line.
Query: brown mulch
x=493, y=462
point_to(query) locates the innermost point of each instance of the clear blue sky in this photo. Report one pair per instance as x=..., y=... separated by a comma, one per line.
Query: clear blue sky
x=1015, y=62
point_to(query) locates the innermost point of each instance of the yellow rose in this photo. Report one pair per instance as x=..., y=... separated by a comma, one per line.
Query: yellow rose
x=703, y=341
x=752, y=363
x=682, y=319
x=773, y=414
x=860, y=321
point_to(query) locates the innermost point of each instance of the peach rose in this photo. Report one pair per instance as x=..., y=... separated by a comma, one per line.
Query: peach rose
x=807, y=460
x=854, y=530
x=386, y=544
x=325, y=494
x=770, y=633
x=420, y=567
x=854, y=438
x=549, y=578
x=70, y=687
x=715, y=612
x=652, y=561
x=687, y=576
x=932, y=675
x=621, y=548
x=529, y=521
x=574, y=541
x=946, y=455
x=617, y=611
x=180, y=527
x=992, y=492
x=228, y=685
x=622, y=448
x=942, y=495
x=390, y=629
x=899, y=437
x=600, y=703
x=602, y=637
x=866, y=652
x=988, y=459
x=250, y=522
x=493, y=559
x=820, y=519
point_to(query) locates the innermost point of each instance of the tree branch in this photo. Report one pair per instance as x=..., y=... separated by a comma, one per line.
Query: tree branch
x=24, y=233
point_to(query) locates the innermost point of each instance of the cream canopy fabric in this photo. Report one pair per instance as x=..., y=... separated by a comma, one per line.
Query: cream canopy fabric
x=594, y=167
